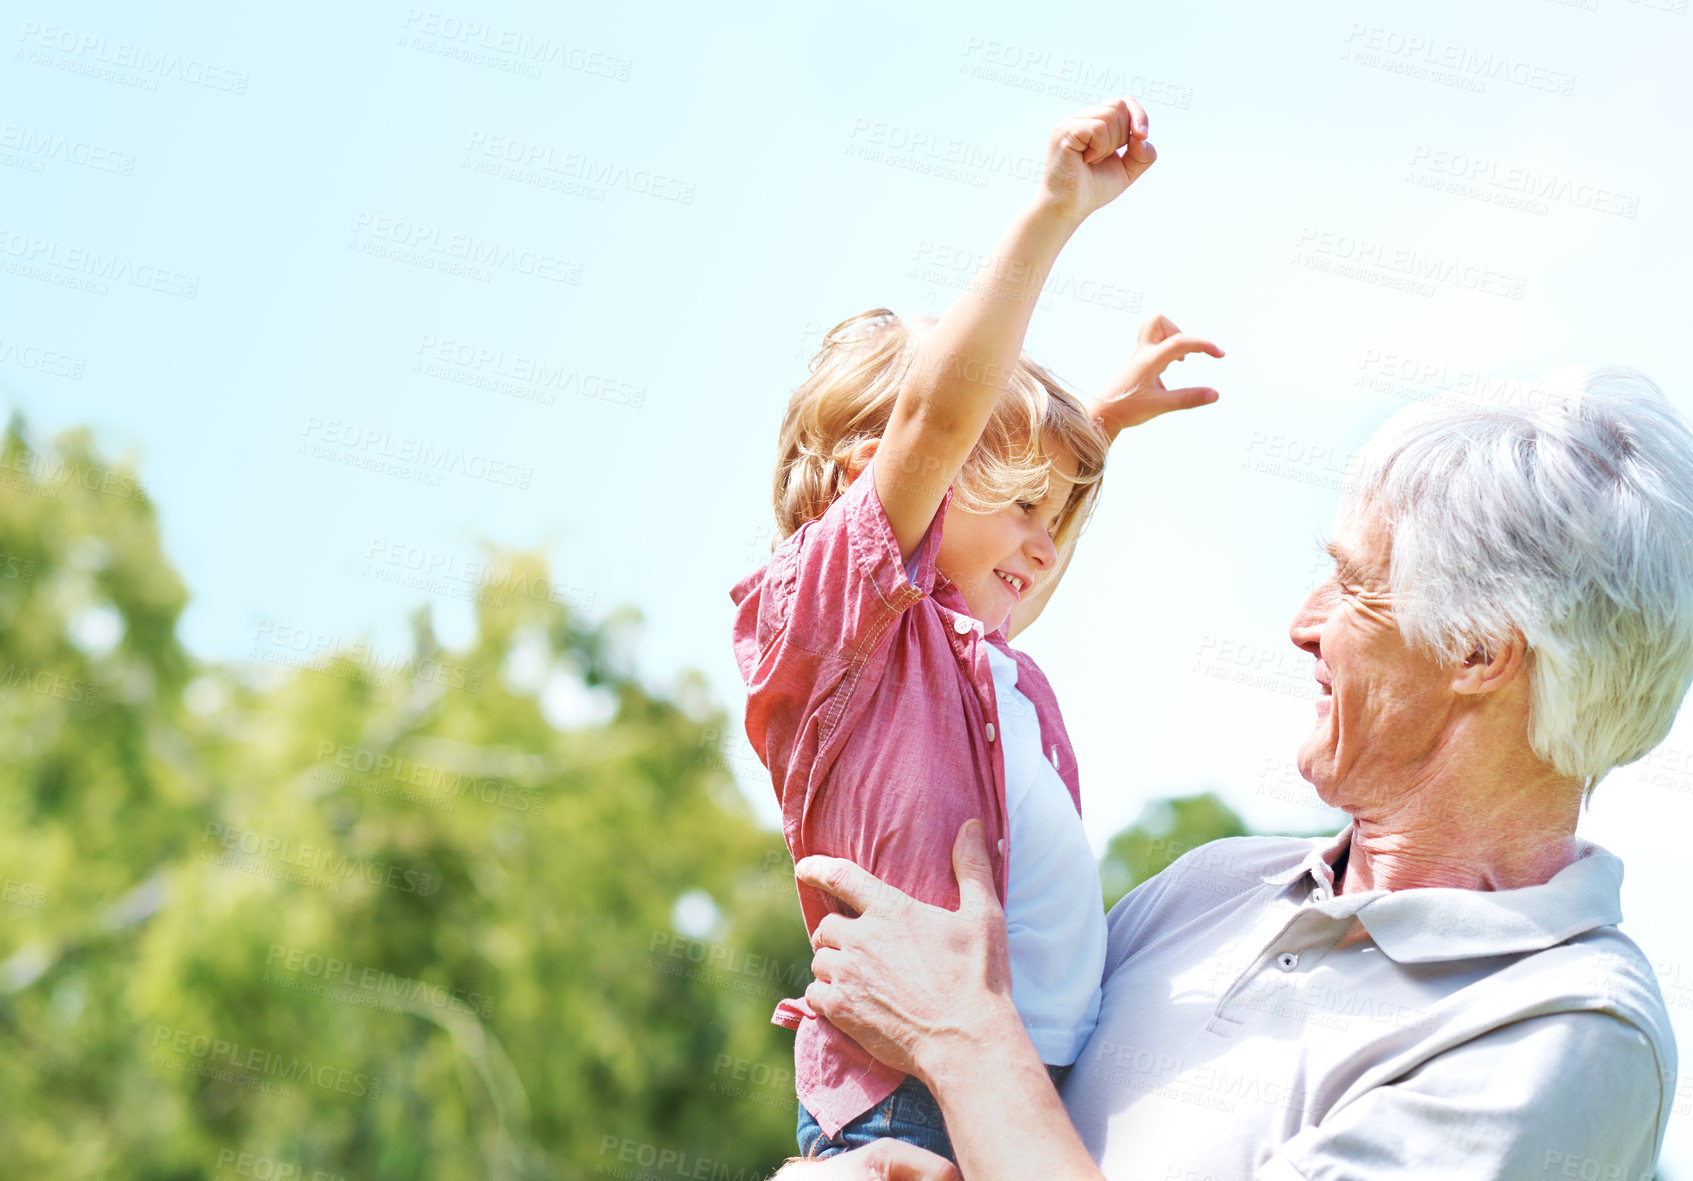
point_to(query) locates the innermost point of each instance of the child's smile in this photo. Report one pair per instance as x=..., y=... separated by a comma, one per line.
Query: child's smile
x=996, y=559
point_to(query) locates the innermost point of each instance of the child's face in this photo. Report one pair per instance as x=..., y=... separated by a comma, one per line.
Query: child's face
x=979, y=549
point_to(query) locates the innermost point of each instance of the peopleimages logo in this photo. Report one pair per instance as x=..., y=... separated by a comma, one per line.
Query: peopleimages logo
x=476, y=39
x=1436, y=60
x=43, y=146
x=39, y=360
x=331, y=970
x=529, y=158
x=255, y=1063
x=1401, y=267
x=150, y=65
x=428, y=241
x=518, y=374
x=435, y=780
x=317, y=859
x=44, y=256
x=382, y=449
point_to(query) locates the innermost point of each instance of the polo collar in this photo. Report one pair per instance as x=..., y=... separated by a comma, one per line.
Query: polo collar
x=1434, y=923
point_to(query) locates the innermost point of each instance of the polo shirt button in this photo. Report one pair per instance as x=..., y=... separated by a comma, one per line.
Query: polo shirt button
x=1287, y=961
x=961, y=624
x=1321, y=893
x=990, y=731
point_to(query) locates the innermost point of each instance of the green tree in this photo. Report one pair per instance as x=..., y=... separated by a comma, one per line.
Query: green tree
x=493, y=912
x=376, y=914
x=1164, y=830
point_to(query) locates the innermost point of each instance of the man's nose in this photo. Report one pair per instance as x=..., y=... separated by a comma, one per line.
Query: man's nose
x=1307, y=627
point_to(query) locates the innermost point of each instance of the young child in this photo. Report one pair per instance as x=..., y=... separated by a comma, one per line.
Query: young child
x=930, y=484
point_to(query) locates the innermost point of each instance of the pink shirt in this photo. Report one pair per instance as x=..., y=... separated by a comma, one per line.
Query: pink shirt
x=870, y=699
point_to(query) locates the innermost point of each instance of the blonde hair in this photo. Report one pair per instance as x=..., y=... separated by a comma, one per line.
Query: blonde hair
x=849, y=398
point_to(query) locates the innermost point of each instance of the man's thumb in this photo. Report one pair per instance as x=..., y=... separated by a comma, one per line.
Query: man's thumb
x=972, y=868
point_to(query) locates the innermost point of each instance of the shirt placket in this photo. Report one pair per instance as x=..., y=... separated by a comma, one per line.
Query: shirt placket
x=1297, y=945
x=967, y=638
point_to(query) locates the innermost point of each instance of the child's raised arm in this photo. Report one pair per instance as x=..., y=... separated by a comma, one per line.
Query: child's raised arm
x=961, y=366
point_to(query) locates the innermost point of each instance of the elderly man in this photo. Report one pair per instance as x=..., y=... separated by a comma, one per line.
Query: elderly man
x=1440, y=991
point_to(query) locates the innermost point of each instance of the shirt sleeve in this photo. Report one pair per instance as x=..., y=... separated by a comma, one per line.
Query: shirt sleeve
x=809, y=625
x=1565, y=1095
x=837, y=588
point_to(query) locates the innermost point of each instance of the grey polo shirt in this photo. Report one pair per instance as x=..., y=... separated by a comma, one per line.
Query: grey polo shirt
x=1497, y=1034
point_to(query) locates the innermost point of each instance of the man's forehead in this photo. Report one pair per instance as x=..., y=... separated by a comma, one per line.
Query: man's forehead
x=1360, y=539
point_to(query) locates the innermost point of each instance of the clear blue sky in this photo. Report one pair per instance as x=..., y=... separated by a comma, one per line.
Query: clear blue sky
x=557, y=269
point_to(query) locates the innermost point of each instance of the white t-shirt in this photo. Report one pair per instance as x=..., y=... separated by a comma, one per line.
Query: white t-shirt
x=1054, y=911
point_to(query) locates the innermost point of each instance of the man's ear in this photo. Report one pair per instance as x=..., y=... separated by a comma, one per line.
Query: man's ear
x=1491, y=666
x=858, y=457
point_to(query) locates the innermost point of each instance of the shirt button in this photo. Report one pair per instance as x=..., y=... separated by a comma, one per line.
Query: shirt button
x=1321, y=893
x=1287, y=961
x=960, y=624
x=990, y=731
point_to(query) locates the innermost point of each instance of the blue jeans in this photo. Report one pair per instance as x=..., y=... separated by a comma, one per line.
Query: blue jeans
x=909, y=1114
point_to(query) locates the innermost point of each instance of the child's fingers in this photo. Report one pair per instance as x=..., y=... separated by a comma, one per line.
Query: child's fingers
x=1088, y=134
x=1149, y=406
x=1098, y=143
x=1129, y=410
x=1120, y=118
x=1112, y=131
x=1139, y=126
x=1127, y=118
x=1156, y=328
x=1190, y=397
x=1102, y=130
x=1174, y=348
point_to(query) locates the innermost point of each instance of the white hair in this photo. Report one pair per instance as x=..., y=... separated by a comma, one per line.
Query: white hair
x=1569, y=519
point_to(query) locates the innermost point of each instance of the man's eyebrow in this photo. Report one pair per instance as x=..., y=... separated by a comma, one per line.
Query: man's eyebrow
x=1343, y=557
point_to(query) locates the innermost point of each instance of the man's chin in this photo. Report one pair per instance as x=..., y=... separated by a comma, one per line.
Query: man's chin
x=1310, y=768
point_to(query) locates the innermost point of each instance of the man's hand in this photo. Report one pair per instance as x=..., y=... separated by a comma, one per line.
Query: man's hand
x=904, y=976
x=928, y=991
x=880, y=1160
x=1138, y=394
x=1083, y=171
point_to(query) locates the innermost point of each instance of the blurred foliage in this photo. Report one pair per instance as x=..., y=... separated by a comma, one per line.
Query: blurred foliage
x=497, y=912
x=363, y=914
x=1164, y=830
x=1167, y=828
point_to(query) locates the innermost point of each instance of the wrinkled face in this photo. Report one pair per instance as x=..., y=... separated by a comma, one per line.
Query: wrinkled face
x=997, y=558
x=1383, y=706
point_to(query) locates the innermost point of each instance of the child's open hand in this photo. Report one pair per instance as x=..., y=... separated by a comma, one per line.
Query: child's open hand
x=1083, y=170
x=1138, y=393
